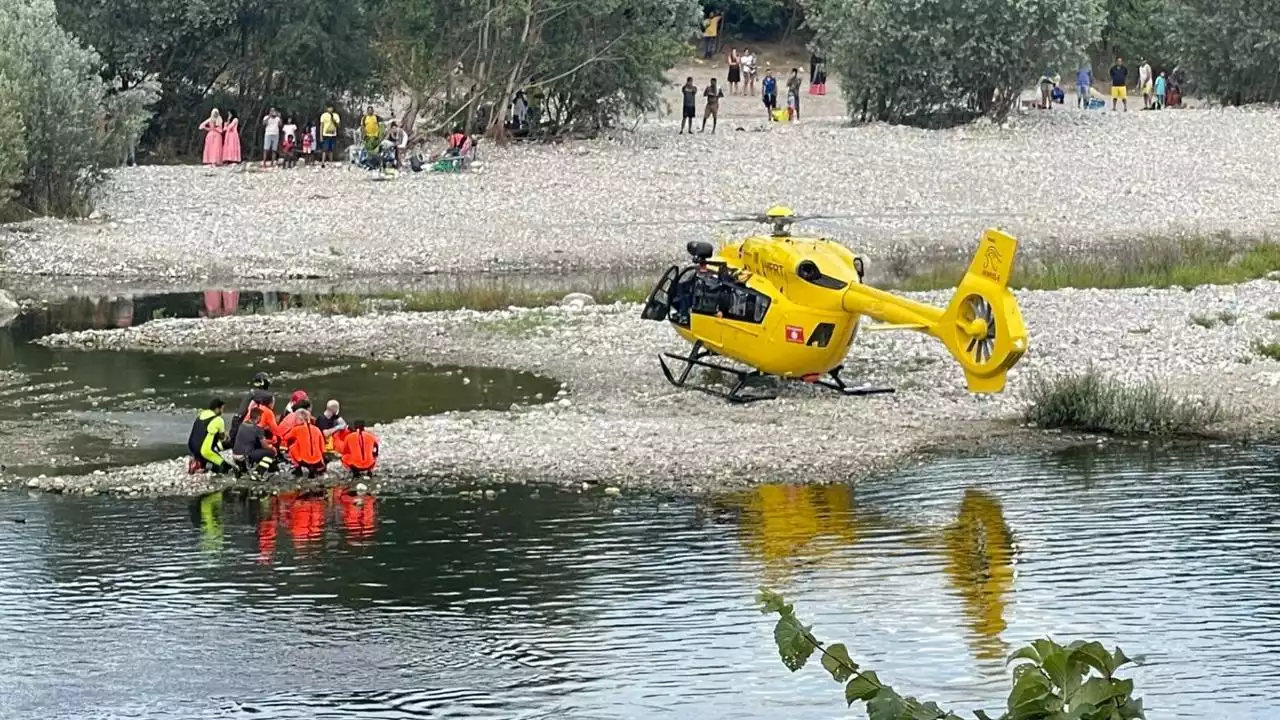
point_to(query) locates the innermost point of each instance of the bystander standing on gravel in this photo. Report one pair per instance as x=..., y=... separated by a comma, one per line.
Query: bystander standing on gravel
x=270, y=137
x=713, y=95
x=329, y=122
x=689, y=107
x=1119, y=92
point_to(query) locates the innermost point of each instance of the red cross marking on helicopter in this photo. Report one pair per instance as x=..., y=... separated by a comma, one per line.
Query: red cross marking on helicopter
x=795, y=334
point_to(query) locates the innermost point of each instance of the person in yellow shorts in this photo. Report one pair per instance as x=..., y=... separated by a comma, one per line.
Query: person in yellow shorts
x=1119, y=76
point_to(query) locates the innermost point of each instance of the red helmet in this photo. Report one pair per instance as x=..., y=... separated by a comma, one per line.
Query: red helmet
x=297, y=396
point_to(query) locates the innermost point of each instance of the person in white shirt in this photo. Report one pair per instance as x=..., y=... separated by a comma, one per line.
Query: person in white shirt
x=270, y=137
x=289, y=128
x=748, y=72
x=1145, y=81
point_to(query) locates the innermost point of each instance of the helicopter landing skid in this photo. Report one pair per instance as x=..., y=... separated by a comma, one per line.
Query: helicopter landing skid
x=838, y=384
x=697, y=357
x=753, y=378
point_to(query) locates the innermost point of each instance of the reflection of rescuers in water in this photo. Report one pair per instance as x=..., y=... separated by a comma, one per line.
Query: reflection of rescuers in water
x=359, y=450
x=208, y=435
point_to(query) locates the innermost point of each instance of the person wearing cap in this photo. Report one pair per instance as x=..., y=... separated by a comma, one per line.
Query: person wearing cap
x=291, y=420
x=297, y=397
x=259, y=391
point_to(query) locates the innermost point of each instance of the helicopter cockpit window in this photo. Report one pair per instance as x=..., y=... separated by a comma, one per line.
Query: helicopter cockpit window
x=709, y=292
x=743, y=304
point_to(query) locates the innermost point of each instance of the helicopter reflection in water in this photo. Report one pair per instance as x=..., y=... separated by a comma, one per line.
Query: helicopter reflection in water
x=301, y=515
x=787, y=526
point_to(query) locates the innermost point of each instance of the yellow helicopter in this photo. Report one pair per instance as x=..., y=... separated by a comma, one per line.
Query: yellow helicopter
x=789, y=307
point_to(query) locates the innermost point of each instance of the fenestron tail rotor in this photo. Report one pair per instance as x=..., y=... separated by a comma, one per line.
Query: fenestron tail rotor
x=978, y=321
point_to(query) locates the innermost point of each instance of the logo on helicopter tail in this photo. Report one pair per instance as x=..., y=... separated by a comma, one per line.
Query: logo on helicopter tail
x=991, y=261
x=795, y=334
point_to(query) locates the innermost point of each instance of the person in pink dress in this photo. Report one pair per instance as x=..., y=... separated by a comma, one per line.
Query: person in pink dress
x=212, y=139
x=231, y=140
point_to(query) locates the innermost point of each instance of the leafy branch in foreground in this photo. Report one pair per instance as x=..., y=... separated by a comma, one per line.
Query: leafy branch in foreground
x=1050, y=681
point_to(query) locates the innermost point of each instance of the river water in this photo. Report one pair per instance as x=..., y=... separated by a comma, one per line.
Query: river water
x=541, y=603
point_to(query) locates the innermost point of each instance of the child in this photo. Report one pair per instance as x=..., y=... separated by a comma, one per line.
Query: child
x=1162, y=87
x=289, y=150
x=308, y=143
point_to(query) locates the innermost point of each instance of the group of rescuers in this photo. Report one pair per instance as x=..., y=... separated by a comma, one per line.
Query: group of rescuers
x=258, y=442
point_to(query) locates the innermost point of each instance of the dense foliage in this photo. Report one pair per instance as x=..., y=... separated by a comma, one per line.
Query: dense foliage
x=456, y=60
x=936, y=63
x=61, y=127
x=241, y=57
x=770, y=20
x=1050, y=681
x=1231, y=49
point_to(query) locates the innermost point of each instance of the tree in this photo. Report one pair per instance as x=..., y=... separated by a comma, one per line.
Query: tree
x=1139, y=29
x=244, y=55
x=585, y=63
x=1050, y=681
x=1231, y=49
x=936, y=63
x=762, y=19
x=68, y=126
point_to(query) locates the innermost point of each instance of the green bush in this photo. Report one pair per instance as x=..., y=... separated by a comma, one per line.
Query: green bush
x=1269, y=350
x=68, y=126
x=944, y=62
x=1090, y=402
x=1050, y=681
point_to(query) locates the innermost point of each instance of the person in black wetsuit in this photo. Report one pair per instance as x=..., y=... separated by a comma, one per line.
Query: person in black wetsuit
x=259, y=392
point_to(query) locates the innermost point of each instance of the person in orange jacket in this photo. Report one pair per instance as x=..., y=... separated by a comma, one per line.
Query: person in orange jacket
x=306, y=446
x=267, y=418
x=291, y=420
x=359, y=450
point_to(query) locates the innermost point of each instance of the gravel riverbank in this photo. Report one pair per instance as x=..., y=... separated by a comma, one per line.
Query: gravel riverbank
x=620, y=423
x=1059, y=180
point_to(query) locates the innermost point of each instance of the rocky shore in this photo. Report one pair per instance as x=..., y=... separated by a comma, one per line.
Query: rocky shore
x=619, y=423
x=1064, y=180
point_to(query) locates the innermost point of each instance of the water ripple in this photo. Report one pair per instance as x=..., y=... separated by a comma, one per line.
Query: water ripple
x=578, y=606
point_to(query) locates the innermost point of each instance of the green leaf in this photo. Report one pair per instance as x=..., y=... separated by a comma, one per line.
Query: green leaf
x=837, y=662
x=1095, y=691
x=862, y=687
x=1030, y=688
x=793, y=642
x=886, y=704
x=1119, y=659
x=772, y=602
x=1057, y=667
x=1027, y=652
x=1096, y=656
x=1132, y=710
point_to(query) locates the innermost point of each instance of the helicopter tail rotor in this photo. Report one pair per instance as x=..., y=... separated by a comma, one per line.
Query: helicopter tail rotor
x=982, y=326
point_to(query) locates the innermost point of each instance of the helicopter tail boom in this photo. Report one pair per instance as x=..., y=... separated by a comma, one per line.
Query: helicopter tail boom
x=981, y=326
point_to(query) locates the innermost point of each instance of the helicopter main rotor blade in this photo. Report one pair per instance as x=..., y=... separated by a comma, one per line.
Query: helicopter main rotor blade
x=765, y=220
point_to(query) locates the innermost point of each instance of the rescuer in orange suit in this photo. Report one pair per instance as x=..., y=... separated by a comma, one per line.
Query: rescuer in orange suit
x=306, y=446
x=359, y=450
